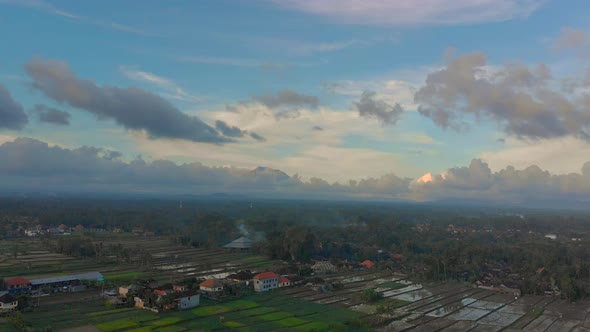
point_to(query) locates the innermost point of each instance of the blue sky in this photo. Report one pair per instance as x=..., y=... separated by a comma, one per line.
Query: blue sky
x=281, y=68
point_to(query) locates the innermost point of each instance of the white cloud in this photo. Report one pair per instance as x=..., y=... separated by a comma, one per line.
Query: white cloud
x=294, y=146
x=169, y=88
x=559, y=155
x=416, y=12
x=49, y=8
x=391, y=91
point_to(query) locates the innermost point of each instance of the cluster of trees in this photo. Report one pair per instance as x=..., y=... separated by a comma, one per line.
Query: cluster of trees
x=85, y=246
x=344, y=231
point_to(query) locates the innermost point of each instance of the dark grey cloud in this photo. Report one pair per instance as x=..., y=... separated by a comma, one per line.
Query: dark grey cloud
x=29, y=164
x=257, y=137
x=12, y=115
x=227, y=130
x=287, y=98
x=517, y=97
x=317, y=128
x=371, y=107
x=51, y=115
x=132, y=107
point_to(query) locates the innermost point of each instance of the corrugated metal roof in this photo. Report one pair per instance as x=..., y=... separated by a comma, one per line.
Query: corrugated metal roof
x=71, y=277
x=241, y=243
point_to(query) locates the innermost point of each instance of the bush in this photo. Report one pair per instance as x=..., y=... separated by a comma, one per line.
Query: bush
x=370, y=295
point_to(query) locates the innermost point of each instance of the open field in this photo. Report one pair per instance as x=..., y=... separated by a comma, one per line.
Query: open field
x=405, y=306
x=30, y=257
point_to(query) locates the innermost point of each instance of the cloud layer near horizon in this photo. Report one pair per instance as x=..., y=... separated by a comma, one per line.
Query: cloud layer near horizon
x=35, y=165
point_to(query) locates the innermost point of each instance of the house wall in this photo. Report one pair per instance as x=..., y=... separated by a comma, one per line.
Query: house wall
x=19, y=289
x=208, y=289
x=123, y=291
x=264, y=285
x=7, y=307
x=189, y=302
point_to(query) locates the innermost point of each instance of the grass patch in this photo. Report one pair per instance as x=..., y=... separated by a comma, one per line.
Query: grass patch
x=233, y=324
x=315, y=326
x=241, y=305
x=210, y=310
x=291, y=321
x=276, y=316
x=167, y=321
x=171, y=329
x=109, y=312
x=116, y=325
x=393, y=303
x=126, y=275
x=141, y=329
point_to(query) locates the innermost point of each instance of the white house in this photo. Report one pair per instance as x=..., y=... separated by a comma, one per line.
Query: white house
x=211, y=286
x=266, y=281
x=188, y=302
x=284, y=282
x=8, y=302
x=551, y=236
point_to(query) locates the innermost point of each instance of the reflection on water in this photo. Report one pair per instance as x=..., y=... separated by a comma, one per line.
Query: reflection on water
x=411, y=293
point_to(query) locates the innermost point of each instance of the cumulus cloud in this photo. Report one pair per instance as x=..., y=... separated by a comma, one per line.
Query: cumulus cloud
x=521, y=99
x=371, y=107
x=227, y=130
x=51, y=115
x=287, y=98
x=571, y=39
x=35, y=165
x=417, y=12
x=286, y=103
x=12, y=115
x=531, y=184
x=133, y=108
x=257, y=137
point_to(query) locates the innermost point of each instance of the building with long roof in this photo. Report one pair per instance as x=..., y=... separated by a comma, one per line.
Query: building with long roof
x=242, y=243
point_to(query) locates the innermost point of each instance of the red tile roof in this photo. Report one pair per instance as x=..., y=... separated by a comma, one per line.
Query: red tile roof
x=283, y=280
x=17, y=281
x=210, y=283
x=159, y=292
x=397, y=256
x=265, y=275
x=368, y=263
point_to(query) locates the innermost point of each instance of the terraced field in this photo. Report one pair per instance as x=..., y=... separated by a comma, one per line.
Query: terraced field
x=405, y=306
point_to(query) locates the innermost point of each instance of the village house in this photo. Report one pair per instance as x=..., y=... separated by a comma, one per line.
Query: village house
x=67, y=283
x=8, y=302
x=188, y=302
x=211, y=287
x=266, y=281
x=179, y=288
x=18, y=285
x=125, y=290
x=284, y=282
x=367, y=263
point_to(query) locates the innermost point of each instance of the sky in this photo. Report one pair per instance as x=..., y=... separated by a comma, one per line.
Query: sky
x=413, y=100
